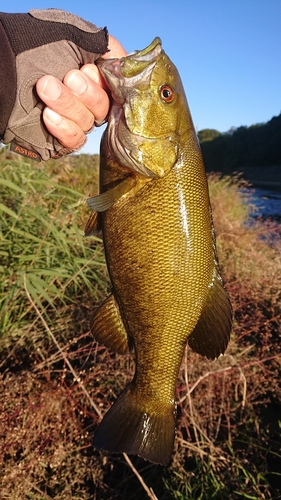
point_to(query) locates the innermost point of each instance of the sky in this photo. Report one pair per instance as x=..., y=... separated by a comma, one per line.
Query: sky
x=228, y=52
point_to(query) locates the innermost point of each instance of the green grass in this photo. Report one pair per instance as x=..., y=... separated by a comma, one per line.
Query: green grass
x=56, y=381
x=44, y=255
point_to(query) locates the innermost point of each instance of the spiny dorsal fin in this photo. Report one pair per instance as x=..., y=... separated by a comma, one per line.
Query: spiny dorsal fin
x=105, y=200
x=108, y=328
x=212, y=332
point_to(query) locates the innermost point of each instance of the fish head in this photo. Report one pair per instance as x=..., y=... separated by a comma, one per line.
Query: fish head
x=149, y=112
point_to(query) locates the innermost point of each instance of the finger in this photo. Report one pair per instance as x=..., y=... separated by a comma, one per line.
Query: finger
x=93, y=72
x=68, y=133
x=86, y=86
x=115, y=49
x=62, y=100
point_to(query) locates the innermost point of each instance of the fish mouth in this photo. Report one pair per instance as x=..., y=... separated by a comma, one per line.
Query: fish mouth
x=135, y=68
x=124, y=76
x=137, y=61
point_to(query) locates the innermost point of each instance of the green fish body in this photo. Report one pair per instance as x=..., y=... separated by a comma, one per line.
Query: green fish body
x=159, y=242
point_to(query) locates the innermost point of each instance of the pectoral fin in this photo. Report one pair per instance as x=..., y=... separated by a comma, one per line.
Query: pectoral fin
x=108, y=328
x=212, y=332
x=105, y=200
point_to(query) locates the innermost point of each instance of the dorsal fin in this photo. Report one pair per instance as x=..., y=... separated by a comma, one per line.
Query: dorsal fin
x=212, y=332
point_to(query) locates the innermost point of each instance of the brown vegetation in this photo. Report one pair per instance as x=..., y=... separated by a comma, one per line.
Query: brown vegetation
x=56, y=381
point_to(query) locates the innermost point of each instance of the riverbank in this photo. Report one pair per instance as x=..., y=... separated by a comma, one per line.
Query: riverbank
x=266, y=203
x=56, y=380
x=262, y=176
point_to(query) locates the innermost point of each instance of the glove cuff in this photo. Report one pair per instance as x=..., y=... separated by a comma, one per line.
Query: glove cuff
x=35, y=29
x=8, y=80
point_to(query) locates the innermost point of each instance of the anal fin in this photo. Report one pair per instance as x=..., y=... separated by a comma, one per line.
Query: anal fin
x=212, y=332
x=108, y=328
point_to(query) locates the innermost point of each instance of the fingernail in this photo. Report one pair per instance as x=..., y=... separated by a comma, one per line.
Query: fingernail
x=52, y=116
x=77, y=83
x=51, y=88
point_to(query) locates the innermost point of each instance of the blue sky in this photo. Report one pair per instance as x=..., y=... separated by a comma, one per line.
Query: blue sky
x=228, y=52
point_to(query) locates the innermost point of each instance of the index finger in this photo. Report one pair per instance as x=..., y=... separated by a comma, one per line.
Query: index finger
x=61, y=99
x=85, y=85
x=115, y=50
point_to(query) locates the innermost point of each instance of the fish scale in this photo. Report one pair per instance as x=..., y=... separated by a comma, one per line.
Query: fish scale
x=155, y=216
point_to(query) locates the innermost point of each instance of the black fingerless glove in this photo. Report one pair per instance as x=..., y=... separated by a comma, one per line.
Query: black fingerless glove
x=42, y=42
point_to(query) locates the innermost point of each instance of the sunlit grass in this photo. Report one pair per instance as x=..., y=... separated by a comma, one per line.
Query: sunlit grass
x=42, y=246
x=56, y=381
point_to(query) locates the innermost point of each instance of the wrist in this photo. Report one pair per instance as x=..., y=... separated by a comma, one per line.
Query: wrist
x=7, y=80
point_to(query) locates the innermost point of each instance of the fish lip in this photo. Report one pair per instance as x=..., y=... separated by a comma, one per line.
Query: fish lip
x=127, y=68
x=149, y=53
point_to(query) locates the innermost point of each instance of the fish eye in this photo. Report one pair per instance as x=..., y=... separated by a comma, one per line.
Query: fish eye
x=167, y=93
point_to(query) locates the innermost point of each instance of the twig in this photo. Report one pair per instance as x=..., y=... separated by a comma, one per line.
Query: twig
x=64, y=356
x=229, y=369
x=44, y=495
x=244, y=388
x=201, y=378
x=148, y=490
x=190, y=401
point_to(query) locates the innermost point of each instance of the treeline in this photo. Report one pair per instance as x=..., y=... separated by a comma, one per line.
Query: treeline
x=255, y=146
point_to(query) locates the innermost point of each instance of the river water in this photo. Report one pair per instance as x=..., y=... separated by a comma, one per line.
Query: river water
x=267, y=203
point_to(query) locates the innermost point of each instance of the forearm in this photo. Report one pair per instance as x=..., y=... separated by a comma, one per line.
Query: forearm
x=7, y=80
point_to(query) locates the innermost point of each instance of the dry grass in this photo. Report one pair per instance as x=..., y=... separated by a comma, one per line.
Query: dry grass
x=56, y=381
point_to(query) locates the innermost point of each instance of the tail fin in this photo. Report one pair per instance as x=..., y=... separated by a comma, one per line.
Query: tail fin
x=128, y=428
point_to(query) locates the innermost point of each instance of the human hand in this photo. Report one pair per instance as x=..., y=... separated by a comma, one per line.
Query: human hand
x=48, y=42
x=75, y=105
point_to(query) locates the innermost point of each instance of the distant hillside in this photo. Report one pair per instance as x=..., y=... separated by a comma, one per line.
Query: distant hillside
x=255, y=150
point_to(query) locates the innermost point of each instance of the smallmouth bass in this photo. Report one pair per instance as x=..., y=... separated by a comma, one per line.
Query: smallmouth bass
x=154, y=212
